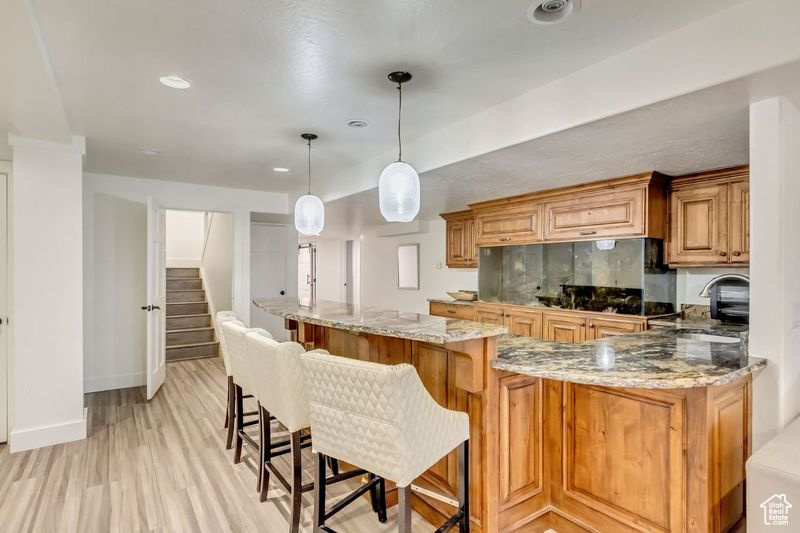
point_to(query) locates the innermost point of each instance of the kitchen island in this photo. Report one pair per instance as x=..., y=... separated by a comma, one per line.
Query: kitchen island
x=645, y=432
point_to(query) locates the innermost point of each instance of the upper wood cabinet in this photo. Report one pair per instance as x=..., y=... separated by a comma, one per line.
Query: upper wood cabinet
x=710, y=218
x=519, y=224
x=460, y=248
x=633, y=206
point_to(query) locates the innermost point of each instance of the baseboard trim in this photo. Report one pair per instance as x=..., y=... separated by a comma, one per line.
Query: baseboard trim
x=39, y=437
x=118, y=381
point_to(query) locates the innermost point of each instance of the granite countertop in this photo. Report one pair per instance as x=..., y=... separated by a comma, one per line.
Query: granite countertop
x=658, y=359
x=708, y=326
x=451, y=301
x=378, y=321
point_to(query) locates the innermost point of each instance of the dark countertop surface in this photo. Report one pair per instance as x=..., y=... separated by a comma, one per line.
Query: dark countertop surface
x=378, y=321
x=667, y=357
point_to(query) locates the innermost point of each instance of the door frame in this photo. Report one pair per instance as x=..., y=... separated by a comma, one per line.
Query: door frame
x=312, y=247
x=5, y=275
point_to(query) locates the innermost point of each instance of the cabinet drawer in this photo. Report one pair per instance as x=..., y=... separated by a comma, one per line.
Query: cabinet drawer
x=619, y=213
x=515, y=225
x=462, y=312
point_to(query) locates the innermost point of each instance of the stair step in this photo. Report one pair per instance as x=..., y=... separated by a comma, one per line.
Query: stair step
x=180, y=284
x=173, y=273
x=190, y=308
x=201, y=320
x=191, y=351
x=186, y=296
x=188, y=336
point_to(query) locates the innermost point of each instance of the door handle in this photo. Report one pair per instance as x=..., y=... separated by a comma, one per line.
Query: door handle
x=155, y=307
x=147, y=308
x=587, y=233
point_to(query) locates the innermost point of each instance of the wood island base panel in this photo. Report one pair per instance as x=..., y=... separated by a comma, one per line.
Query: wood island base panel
x=550, y=453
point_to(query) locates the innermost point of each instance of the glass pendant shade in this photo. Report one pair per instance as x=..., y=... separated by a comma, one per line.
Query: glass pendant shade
x=398, y=192
x=309, y=215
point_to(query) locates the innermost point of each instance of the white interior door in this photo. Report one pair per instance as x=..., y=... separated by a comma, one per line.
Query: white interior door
x=306, y=282
x=267, y=274
x=3, y=308
x=156, y=296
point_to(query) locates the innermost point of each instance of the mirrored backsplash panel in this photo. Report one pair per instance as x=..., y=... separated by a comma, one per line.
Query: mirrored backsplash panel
x=615, y=276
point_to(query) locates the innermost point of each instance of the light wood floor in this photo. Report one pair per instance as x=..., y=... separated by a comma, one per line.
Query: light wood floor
x=156, y=466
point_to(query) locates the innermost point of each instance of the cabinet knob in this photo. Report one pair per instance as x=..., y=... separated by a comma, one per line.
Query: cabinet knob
x=722, y=253
x=737, y=253
x=591, y=325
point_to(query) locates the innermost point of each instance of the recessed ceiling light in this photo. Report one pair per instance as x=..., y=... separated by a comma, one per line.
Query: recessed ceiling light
x=357, y=123
x=552, y=11
x=280, y=169
x=150, y=151
x=175, y=82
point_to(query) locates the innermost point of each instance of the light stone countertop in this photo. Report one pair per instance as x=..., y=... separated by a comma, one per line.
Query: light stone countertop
x=378, y=321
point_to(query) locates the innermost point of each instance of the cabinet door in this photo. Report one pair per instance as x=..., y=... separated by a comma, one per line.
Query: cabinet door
x=563, y=327
x=491, y=315
x=609, y=214
x=514, y=225
x=739, y=221
x=458, y=243
x=600, y=328
x=698, y=226
x=524, y=323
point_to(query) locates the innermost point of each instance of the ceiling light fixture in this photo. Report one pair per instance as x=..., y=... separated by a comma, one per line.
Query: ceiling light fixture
x=398, y=187
x=175, y=82
x=280, y=169
x=356, y=123
x=552, y=11
x=309, y=211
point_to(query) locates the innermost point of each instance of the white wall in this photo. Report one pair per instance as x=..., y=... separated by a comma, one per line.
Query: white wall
x=47, y=310
x=217, y=262
x=775, y=263
x=378, y=270
x=185, y=238
x=114, y=351
x=690, y=281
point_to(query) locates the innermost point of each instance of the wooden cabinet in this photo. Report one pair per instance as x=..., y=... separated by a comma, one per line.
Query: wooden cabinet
x=490, y=314
x=632, y=206
x=520, y=224
x=460, y=311
x=710, y=219
x=617, y=213
x=600, y=328
x=563, y=327
x=523, y=322
x=460, y=247
x=739, y=221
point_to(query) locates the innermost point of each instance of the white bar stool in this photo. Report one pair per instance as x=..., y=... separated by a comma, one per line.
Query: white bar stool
x=282, y=395
x=381, y=418
x=230, y=410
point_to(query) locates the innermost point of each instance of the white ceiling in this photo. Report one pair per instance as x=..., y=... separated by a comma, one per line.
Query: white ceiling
x=265, y=71
x=703, y=130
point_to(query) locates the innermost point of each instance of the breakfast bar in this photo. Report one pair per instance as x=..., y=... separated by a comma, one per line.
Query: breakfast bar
x=566, y=436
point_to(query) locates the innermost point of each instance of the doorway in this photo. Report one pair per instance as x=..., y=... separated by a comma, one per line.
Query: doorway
x=267, y=273
x=307, y=274
x=3, y=305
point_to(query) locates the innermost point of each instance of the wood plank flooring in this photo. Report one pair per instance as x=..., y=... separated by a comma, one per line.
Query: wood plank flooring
x=157, y=466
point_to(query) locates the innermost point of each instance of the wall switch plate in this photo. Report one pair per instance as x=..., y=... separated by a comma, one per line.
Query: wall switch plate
x=438, y=265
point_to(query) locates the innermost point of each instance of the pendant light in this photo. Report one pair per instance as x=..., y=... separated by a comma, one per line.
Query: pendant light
x=309, y=212
x=398, y=187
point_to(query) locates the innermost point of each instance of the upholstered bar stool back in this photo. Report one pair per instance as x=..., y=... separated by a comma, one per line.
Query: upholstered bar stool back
x=224, y=316
x=381, y=418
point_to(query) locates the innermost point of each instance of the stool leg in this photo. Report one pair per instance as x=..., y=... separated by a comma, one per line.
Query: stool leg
x=382, y=501
x=333, y=464
x=463, y=485
x=297, y=481
x=404, y=509
x=373, y=494
x=237, y=454
x=266, y=452
x=231, y=412
x=319, y=493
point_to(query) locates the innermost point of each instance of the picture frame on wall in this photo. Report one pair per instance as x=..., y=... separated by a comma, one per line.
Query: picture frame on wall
x=408, y=266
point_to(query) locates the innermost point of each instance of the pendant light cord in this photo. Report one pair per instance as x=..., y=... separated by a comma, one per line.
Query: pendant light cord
x=309, y=166
x=399, y=112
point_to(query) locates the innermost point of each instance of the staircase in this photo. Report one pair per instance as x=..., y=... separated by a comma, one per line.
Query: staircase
x=190, y=333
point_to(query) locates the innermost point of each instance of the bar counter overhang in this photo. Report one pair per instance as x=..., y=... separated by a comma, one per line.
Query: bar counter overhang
x=654, y=440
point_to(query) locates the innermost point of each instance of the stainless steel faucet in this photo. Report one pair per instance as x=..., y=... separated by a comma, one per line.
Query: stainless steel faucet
x=706, y=292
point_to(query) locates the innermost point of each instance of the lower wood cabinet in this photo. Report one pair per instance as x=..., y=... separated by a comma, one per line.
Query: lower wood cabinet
x=524, y=323
x=563, y=327
x=600, y=328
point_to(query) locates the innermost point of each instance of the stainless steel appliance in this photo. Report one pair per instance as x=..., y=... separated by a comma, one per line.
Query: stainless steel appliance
x=730, y=297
